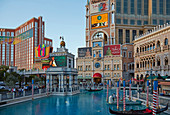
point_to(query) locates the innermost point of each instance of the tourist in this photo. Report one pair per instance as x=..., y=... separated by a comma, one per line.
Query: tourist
x=114, y=96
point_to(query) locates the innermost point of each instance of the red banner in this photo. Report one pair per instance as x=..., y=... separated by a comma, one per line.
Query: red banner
x=112, y=50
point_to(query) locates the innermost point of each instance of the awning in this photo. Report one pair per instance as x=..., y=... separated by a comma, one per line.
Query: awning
x=97, y=75
x=158, y=77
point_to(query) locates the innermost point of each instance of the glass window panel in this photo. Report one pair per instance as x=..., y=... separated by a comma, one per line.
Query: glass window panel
x=160, y=6
x=125, y=6
x=118, y=6
x=139, y=7
x=118, y=21
x=132, y=8
x=145, y=7
x=133, y=34
x=154, y=22
x=127, y=36
x=125, y=21
x=168, y=7
x=139, y=22
x=154, y=6
x=132, y=22
x=120, y=36
x=161, y=22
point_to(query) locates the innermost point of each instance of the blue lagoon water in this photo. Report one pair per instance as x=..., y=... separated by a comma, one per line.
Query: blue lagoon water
x=86, y=103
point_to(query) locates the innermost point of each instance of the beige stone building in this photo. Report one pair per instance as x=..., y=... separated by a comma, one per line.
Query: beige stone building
x=152, y=52
x=113, y=22
x=111, y=67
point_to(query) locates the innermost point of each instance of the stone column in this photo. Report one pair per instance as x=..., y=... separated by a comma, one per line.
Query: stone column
x=62, y=81
x=65, y=83
x=70, y=82
x=51, y=83
x=59, y=80
x=47, y=84
x=0, y=97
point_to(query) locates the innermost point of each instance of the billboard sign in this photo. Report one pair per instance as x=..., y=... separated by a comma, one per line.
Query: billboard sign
x=112, y=50
x=42, y=51
x=58, y=61
x=99, y=6
x=99, y=21
x=85, y=52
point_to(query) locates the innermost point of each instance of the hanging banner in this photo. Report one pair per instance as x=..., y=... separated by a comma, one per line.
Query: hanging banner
x=112, y=50
x=99, y=21
x=99, y=6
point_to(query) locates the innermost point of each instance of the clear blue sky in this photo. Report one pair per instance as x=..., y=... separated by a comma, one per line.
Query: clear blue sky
x=62, y=18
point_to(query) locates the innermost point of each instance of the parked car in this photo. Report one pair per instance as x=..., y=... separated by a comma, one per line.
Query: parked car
x=2, y=87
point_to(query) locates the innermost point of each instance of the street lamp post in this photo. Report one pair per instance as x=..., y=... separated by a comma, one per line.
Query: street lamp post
x=151, y=81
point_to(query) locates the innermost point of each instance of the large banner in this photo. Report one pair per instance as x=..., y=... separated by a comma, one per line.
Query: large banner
x=85, y=52
x=99, y=6
x=99, y=21
x=58, y=61
x=16, y=39
x=112, y=50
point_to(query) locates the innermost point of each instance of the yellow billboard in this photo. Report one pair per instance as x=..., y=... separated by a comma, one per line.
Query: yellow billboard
x=99, y=21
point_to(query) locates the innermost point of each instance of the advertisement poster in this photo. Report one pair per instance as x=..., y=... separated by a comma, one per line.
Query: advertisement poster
x=112, y=50
x=42, y=51
x=16, y=39
x=99, y=21
x=99, y=6
x=97, y=44
x=58, y=61
x=84, y=52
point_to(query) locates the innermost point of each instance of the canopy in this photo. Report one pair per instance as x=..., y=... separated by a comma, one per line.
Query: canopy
x=97, y=75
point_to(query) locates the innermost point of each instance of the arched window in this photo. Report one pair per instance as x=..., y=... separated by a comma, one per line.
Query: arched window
x=158, y=62
x=158, y=44
x=150, y=47
x=137, y=50
x=166, y=61
x=166, y=41
x=153, y=46
x=153, y=63
x=143, y=49
x=137, y=65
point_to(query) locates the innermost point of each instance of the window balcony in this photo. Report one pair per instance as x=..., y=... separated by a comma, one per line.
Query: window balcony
x=137, y=54
x=166, y=67
x=157, y=49
x=166, y=47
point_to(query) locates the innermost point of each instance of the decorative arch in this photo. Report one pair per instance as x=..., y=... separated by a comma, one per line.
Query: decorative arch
x=99, y=31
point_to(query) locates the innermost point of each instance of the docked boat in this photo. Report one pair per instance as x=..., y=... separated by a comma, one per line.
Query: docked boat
x=94, y=90
x=138, y=112
x=127, y=103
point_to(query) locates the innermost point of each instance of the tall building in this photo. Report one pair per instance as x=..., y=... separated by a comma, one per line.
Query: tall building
x=122, y=20
x=29, y=35
x=152, y=53
x=7, y=54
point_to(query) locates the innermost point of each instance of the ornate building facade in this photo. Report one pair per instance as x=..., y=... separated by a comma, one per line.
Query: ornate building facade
x=152, y=52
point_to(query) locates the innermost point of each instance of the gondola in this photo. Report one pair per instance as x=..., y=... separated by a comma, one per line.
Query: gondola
x=127, y=103
x=162, y=110
x=138, y=112
x=94, y=90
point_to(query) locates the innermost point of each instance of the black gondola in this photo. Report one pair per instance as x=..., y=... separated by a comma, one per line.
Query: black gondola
x=93, y=90
x=138, y=112
x=162, y=110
